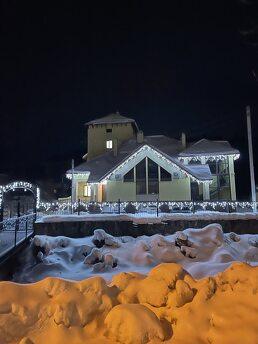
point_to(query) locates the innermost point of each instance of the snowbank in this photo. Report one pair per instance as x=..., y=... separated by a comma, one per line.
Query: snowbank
x=167, y=305
x=201, y=252
x=150, y=218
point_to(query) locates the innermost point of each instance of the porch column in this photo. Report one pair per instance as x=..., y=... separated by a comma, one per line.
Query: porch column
x=232, y=177
x=74, y=190
x=206, y=191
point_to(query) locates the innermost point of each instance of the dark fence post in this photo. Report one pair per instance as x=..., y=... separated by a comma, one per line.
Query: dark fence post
x=18, y=209
x=119, y=205
x=17, y=221
x=2, y=211
x=193, y=205
x=79, y=205
x=26, y=226
x=157, y=207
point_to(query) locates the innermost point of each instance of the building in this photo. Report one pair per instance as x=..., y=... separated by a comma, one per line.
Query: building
x=122, y=163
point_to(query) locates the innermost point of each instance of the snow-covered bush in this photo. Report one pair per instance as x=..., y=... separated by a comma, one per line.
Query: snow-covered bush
x=94, y=208
x=130, y=208
x=101, y=238
x=164, y=208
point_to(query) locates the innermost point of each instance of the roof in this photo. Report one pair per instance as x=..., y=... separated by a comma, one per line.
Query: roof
x=113, y=118
x=209, y=147
x=100, y=166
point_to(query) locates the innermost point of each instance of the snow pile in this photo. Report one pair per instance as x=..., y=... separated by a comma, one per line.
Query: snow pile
x=167, y=305
x=201, y=252
x=150, y=217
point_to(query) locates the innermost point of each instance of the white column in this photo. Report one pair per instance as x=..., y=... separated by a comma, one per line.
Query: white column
x=232, y=178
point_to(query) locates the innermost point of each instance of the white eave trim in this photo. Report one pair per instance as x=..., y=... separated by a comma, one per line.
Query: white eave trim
x=160, y=156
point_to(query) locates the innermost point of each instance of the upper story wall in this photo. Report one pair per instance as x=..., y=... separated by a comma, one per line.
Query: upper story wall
x=98, y=134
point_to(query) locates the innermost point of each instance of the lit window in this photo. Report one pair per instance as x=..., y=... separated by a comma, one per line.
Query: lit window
x=87, y=191
x=109, y=144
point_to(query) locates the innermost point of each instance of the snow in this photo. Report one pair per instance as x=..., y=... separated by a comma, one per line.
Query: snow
x=201, y=252
x=166, y=305
x=150, y=217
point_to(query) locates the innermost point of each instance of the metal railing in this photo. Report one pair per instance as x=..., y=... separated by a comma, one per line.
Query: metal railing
x=14, y=231
x=121, y=207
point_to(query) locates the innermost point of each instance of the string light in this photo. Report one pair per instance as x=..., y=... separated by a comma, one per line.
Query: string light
x=26, y=186
x=205, y=158
x=173, y=205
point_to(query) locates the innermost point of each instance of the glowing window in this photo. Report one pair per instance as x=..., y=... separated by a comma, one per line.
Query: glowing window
x=87, y=191
x=109, y=144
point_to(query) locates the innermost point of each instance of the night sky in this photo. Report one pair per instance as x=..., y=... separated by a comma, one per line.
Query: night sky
x=190, y=66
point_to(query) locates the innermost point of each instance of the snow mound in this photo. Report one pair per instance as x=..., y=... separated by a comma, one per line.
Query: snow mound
x=167, y=305
x=201, y=252
x=133, y=324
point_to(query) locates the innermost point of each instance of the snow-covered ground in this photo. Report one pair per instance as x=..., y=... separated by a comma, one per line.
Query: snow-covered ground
x=166, y=306
x=202, y=252
x=150, y=217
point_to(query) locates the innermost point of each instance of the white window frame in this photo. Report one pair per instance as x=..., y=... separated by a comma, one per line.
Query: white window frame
x=109, y=144
x=87, y=190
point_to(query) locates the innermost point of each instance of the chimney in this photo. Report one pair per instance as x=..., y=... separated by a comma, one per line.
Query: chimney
x=183, y=140
x=140, y=136
x=115, y=147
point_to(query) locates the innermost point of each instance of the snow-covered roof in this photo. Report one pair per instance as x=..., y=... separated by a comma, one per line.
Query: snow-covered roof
x=113, y=118
x=100, y=166
x=209, y=147
x=172, y=149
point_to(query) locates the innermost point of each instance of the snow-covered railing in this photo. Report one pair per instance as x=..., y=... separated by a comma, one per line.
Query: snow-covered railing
x=81, y=207
x=14, y=231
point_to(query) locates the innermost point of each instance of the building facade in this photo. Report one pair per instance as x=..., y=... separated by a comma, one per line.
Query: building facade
x=122, y=163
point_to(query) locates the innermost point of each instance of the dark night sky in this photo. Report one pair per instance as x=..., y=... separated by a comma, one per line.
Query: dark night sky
x=183, y=67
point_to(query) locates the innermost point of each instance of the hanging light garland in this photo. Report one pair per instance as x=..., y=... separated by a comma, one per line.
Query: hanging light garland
x=26, y=186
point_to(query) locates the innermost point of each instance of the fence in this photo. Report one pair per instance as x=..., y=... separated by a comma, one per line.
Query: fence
x=14, y=231
x=80, y=207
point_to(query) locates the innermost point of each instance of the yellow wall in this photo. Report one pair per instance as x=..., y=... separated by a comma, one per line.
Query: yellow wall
x=97, y=137
x=177, y=190
x=119, y=189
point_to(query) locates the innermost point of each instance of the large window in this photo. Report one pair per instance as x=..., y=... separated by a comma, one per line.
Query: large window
x=165, y=176
x=147, y=177
x=153, y=177
x=129, y=176
x=141, y=187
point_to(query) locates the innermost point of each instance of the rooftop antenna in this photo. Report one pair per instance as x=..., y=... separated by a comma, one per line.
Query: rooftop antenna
x=251, y=158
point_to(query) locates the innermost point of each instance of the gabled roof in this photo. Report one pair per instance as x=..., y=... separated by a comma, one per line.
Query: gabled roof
x=208, y=147
x=104, y=164
x=113, y=118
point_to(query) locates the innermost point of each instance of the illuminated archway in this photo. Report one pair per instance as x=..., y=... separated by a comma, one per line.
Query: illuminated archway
x=19, y=185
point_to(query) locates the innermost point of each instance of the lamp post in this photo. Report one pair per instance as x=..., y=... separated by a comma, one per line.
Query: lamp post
x=251, y=158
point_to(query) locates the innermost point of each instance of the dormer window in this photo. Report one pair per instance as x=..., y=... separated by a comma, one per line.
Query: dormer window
x=109, y=144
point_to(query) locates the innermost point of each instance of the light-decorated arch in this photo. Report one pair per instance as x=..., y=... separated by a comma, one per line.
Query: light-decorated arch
x=20, y=185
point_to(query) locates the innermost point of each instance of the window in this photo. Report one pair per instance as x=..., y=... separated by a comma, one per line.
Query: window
x=141, y=178
x=165, y=176
x=129, y=176
x=153, y=177
x=87, y=191
x=108, y=130
x=109, y=144
x=147, y=173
